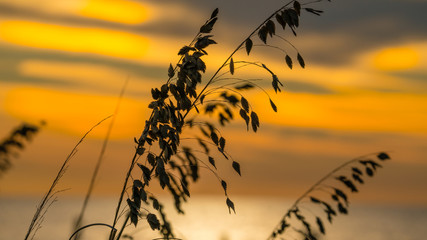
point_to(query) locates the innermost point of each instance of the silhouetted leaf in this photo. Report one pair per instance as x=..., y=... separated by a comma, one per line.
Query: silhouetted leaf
x=288, y=61
x=230, y=205
x=140, y=150
x=153, y=221
x=315, y=200
x=301, y=60
x=313, y=11
x=369, y=171
x=153, y=104
x=185, y=189
x=222, y=143
x=262, y=34
x=171, y=72
x=329, y=210
x=275, y=83
x=201, y=66
x=208, y=26
x=212, y=161
x=230, y=98
x=254, y=121
x=133, y=211
x=146, y=173
x=287, y=18
x=214, y=138
x=156, y=204
x=204, y=132
x=248, y=45
x=335, y=197
x=245, y=116
x=280, y=20
x=373, y=164
x=202, y=98
x=224, y=186
x=294, y=16
x=297, y=7
x=383, y=156
x=214, y=13
x=244, y=86
x=137, y=184
x=283, y=226
x=203, y=42
x=210, y=108
x=143, y=194
x=271, y=28
x=163, y=176
x=291, y=18
x=155, y=93
x=151, y=159
x=198, y=54
x=273, y=105
x=341, y=194
x=320, y=225
x=236, y=167
x=231, y=66
x=228, y=112
x=348, y=183
x=185, y=50
x=342, y=209
x=133, y=218
x=245, y=104
x=357, y=178
x=356, y=170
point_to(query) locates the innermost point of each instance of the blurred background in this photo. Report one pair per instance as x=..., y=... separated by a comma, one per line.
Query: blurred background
x=364, y=90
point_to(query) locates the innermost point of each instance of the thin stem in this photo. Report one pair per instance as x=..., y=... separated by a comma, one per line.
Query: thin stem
x=135, y=155
x=61, y=172
x=92, y=225
x=134, y=159
x=100, y=158
x=123, y=227
x=285, y=40
x=314, y=186
x=225, y=73
x=193, y=103
x=180, y=59
x=311, y=2
x=271, y=46
x=235, y=50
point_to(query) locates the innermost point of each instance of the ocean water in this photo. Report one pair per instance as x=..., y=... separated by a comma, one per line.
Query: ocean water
x=207, y=218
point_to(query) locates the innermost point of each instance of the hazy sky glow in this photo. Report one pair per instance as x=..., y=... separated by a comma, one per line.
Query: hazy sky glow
x=364, y=90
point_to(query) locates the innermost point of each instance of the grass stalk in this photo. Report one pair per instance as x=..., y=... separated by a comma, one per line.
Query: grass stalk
x=99, y=162
x=47, y=199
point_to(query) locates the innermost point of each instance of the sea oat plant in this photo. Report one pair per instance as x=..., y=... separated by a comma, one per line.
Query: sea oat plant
x=14, y=142
x=176, y=106
x=327, y=198
x=184, y=103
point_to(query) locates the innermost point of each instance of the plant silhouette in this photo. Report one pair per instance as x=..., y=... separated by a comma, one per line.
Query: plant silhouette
x=188, y=101
x=335, y=198
x=14, y=142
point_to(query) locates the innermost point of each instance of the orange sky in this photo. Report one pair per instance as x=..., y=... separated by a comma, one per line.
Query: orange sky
x=68, y=71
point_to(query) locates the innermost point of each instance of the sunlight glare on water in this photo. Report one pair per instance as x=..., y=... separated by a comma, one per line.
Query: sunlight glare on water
x=207, y=218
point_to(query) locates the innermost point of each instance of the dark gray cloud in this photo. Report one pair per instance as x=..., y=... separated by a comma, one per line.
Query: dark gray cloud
x=164, y=25
x=420, y=77
x=297, y=86
x=354, y=26
x=11, y=58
